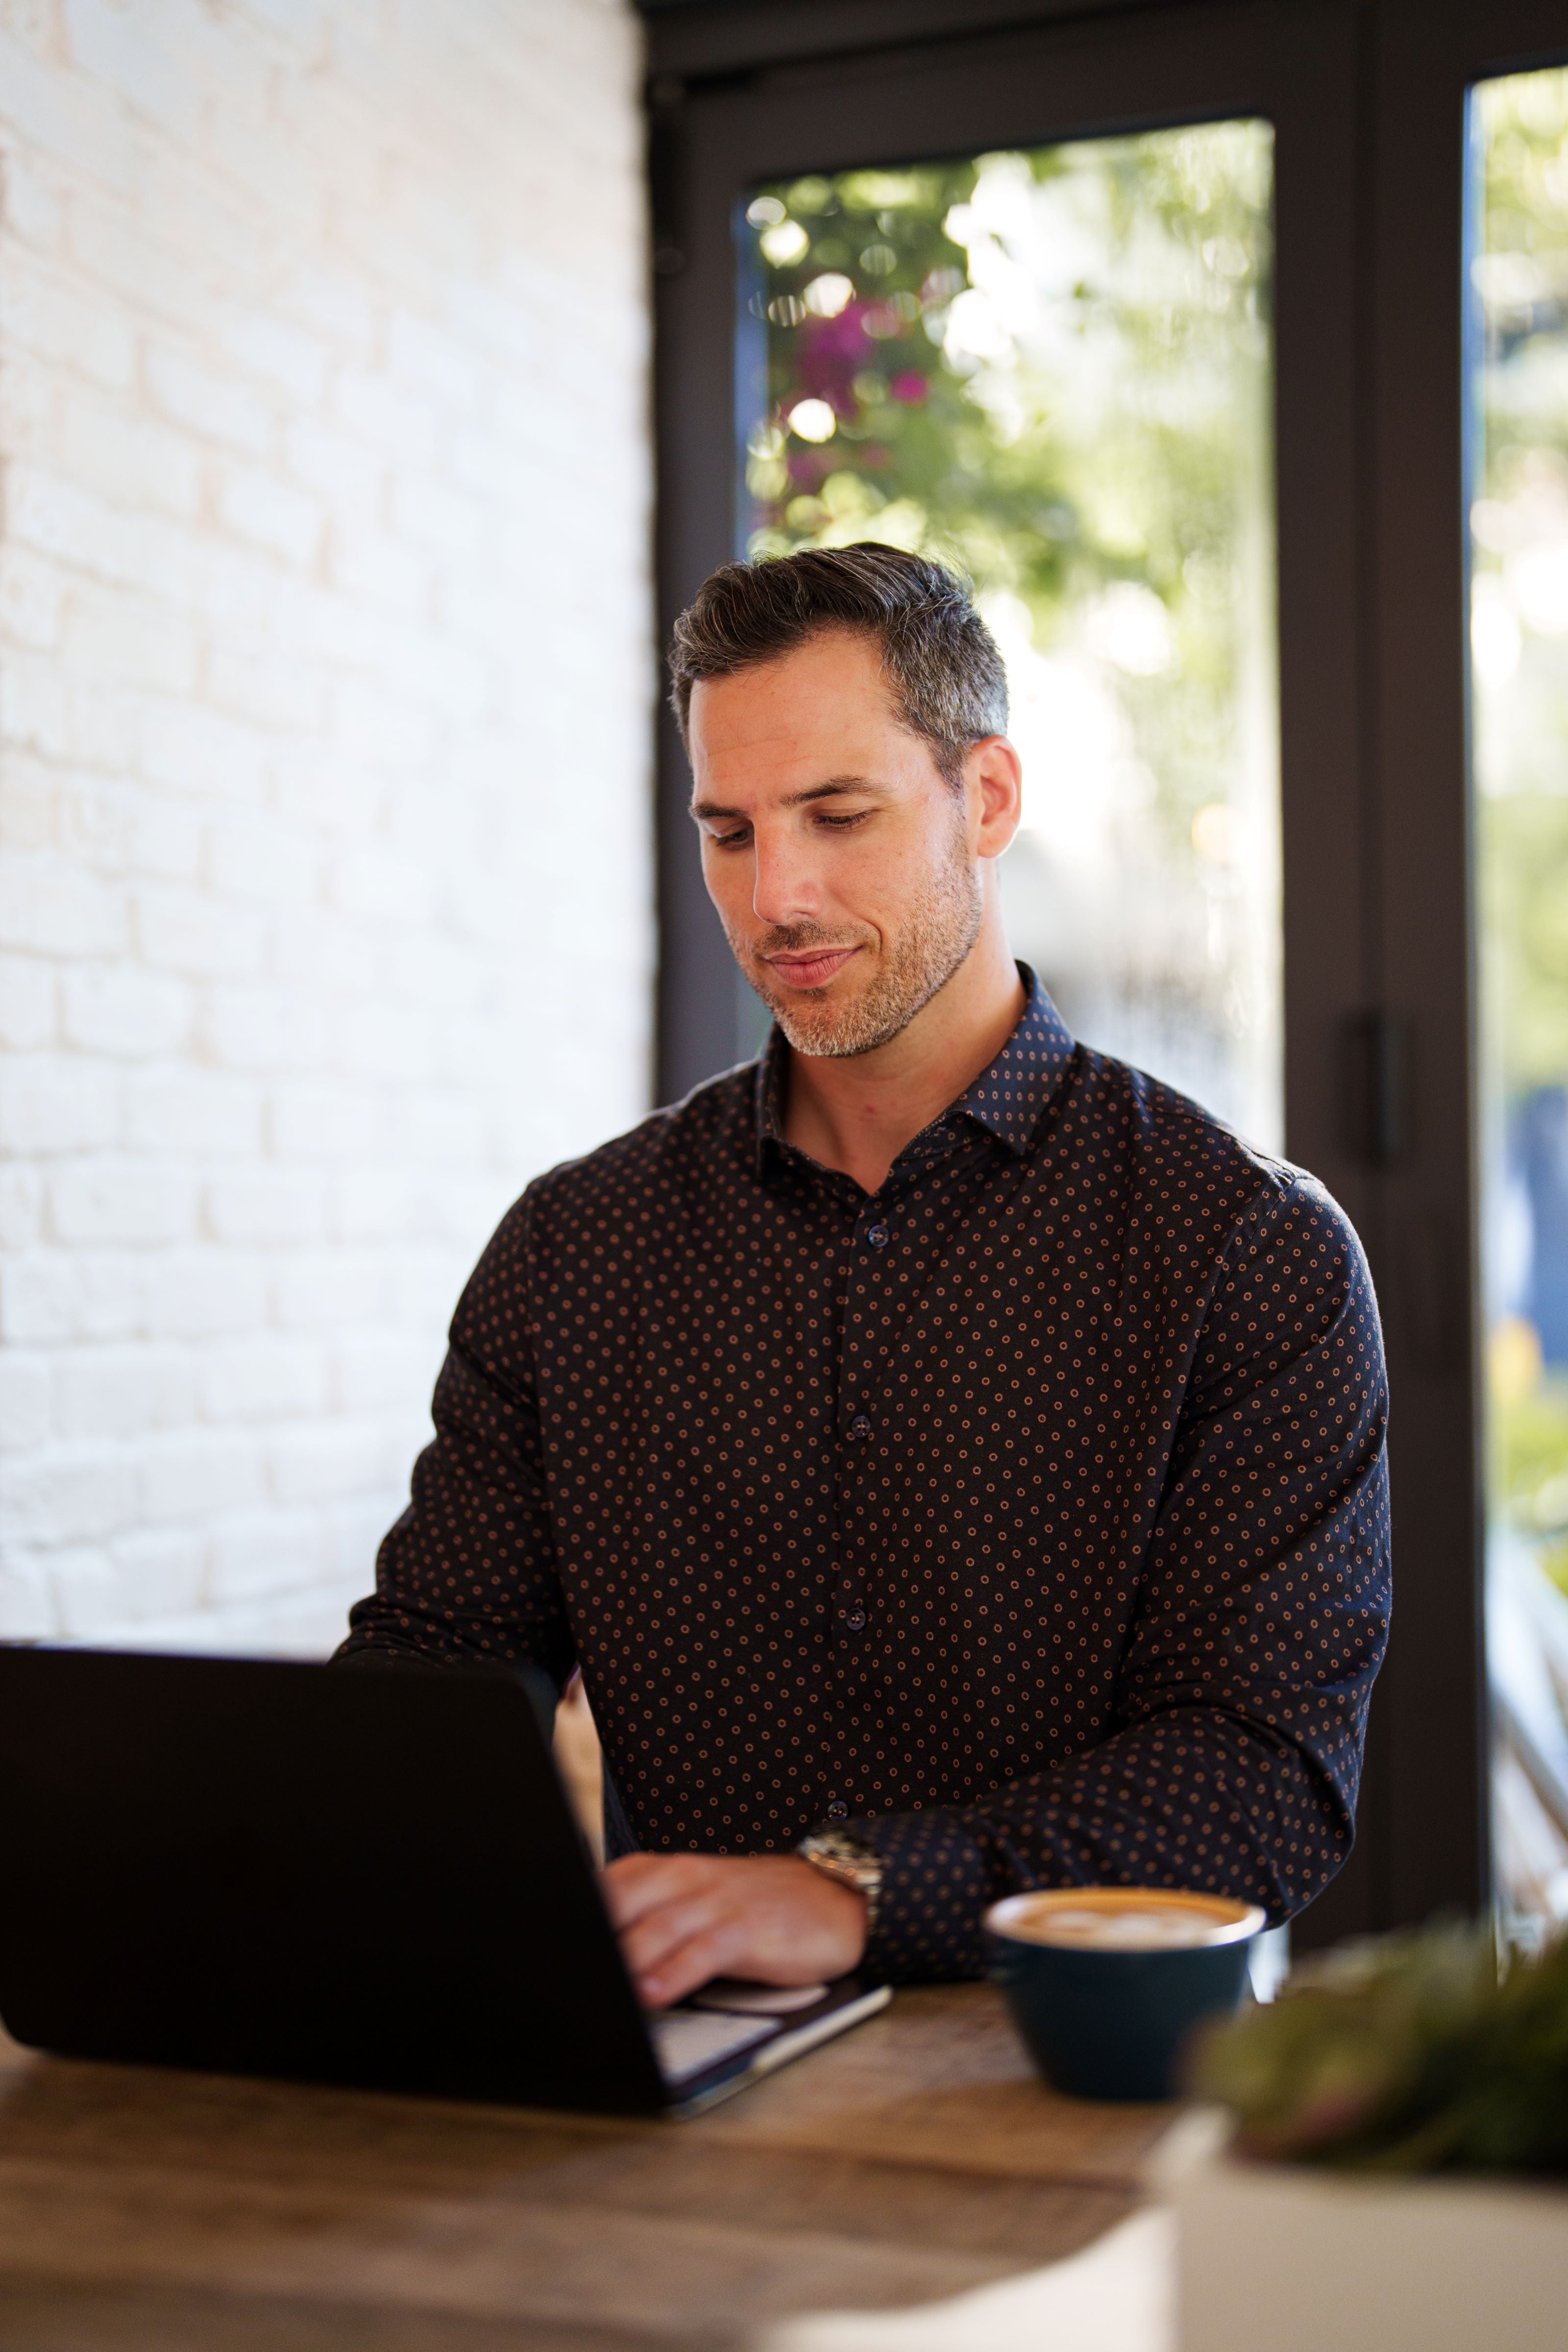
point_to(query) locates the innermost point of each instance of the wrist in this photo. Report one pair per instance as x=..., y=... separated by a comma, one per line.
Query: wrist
x=850, y=1862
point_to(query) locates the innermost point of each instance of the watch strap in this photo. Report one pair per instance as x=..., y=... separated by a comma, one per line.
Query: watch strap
x=839, y=1854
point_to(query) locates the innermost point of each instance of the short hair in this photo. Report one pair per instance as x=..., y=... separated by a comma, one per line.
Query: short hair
x=948, y=680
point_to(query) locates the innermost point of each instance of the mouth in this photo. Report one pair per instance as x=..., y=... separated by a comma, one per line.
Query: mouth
x=810, y=967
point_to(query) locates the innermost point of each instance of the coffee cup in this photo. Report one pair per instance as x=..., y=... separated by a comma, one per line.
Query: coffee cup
x=1106, y=1983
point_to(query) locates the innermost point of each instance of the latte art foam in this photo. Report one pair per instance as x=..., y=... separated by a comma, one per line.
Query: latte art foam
x=1125, y=1919
x=1119, y=1931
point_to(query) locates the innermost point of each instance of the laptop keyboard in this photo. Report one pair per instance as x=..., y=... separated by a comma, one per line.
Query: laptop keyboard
x=685, y=2040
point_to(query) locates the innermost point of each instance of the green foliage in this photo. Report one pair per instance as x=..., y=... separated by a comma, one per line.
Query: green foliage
x=1529, y=1470
x=1520, y=281
x=1052, y=369
x=994, y=456
x=1524, y=920
x=1411, y=2054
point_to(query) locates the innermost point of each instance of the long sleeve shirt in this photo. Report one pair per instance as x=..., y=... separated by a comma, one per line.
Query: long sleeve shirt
x=1027, y=1517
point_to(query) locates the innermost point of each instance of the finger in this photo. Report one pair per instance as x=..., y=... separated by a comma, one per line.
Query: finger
x=690, y=1964
x=640, y=1882
x=659, y=1932
x=627, y=1886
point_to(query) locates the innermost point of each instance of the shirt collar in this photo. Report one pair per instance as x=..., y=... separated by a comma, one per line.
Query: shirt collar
x=1008, y=1098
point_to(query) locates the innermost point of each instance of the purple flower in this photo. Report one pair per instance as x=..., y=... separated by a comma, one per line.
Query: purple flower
x=809, y=468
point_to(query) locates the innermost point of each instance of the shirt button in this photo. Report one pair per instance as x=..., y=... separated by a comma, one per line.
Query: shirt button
x=860, y=1427
x=856, y=1620
x=838, y=1810
x=878, y=1237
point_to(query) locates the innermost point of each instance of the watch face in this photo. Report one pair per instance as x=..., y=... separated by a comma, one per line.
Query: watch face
x=841, y=1858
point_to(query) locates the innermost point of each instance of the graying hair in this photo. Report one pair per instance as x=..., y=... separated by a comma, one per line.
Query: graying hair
x=948, y=680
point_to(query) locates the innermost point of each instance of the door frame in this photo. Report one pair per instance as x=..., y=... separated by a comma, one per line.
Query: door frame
x=1368, y=105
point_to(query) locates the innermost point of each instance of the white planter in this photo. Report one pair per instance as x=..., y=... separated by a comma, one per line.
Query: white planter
x=1277, y=2258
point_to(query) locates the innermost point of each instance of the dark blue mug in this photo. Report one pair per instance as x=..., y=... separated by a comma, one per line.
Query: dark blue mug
x=1106, y=1983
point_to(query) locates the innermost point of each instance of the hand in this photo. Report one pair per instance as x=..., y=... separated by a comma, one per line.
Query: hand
x=685, y=1918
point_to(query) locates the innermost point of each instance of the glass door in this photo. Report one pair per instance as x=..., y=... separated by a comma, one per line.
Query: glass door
x=1519, y=661
x=1075, y=306
x=1054, y=367
x=1158, y=321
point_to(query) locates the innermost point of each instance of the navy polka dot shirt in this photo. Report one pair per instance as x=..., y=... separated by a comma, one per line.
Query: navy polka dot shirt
x=1028, y=1518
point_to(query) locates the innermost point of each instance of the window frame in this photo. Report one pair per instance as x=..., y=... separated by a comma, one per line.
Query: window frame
x=1432, y=1712
x=1368, y=107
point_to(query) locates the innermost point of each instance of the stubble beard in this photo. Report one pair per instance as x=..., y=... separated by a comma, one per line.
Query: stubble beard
x=942, y=927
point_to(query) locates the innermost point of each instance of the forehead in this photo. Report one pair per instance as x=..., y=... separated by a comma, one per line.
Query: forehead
x=825, y=707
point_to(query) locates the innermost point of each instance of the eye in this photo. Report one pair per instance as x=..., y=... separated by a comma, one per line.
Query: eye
x=730, y=840
x=844, y=824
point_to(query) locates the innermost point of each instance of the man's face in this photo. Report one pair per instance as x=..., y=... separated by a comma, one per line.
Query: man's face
x=844, y=867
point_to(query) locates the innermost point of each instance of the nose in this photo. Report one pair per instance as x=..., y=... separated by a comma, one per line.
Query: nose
x=785, y=888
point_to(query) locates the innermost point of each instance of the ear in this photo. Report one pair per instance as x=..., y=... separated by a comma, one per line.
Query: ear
x=994, y=792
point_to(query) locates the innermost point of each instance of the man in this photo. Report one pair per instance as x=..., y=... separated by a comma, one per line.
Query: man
x=955, y=1461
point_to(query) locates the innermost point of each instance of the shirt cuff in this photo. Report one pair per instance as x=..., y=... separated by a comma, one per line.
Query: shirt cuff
x=932, y=1893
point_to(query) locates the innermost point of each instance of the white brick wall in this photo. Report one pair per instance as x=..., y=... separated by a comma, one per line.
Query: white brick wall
x=324, y=695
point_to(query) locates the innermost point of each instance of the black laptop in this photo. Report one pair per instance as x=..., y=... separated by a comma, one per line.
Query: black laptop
x=337, y=1874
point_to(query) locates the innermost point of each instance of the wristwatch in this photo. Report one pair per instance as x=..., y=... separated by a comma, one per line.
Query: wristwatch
x=850, y=1861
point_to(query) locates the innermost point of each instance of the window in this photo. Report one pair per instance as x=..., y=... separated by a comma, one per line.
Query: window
x=1055, y=367
x=1298, y=662
x=1519, y=637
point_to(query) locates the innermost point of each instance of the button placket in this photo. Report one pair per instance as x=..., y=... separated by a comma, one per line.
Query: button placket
x=874, y=1235
x=866, y=1261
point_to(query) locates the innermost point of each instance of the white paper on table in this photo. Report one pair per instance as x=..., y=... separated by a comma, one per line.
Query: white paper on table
x=1117, y=2295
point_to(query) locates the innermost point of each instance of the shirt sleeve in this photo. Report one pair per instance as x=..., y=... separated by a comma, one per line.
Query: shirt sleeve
x=470, y=1570
x=1260, y=1624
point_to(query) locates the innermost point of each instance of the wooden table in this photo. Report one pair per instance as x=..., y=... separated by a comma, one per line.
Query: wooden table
x=914, y=2158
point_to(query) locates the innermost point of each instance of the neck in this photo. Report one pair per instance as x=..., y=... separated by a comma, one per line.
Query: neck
x=858, y=1113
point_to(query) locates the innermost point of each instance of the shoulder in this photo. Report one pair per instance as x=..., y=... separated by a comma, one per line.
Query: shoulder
x=1298, y=1238
x=634, y=1176
x=715, y=1120
x=1171, y=1145
x=1188, y=1162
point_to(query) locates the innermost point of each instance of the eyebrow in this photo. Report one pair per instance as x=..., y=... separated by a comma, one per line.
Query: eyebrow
x=836, y=788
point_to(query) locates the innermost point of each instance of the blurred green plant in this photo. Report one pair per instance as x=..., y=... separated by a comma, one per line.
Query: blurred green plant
x=1519, y=634
x=1530, y=1473
x=1054, y=369
x=1526, y=1425
x=1410, y=2055
x=1523, y=876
